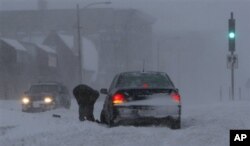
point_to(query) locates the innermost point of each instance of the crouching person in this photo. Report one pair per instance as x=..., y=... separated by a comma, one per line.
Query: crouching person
x=86, y=98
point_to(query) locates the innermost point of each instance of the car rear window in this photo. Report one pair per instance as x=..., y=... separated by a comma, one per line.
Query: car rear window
x=144, y=80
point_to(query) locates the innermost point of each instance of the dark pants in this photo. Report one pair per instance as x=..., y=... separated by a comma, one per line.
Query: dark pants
x=86, y=112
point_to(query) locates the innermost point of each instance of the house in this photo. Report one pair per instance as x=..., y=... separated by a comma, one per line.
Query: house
x=14, y=63
x=68, y=60
x=116, y=34
x=43, y=65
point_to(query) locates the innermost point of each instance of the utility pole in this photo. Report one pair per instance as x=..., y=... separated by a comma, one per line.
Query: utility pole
x=232, y=59
x=158, y=56
x=79, y=43
x=79, y=38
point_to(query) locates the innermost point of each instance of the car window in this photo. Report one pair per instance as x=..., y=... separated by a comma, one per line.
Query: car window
x=138, y=80
x=43, y=88
x=113, y=83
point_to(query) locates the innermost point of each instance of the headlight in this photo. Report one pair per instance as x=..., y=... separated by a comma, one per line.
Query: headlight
x=47, y=99
x=25, y=100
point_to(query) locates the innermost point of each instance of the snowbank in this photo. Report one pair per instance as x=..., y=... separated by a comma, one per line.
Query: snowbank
x=202, y=125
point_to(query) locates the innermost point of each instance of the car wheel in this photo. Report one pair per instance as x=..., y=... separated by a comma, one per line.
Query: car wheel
x=102, y=118
x=111, y=124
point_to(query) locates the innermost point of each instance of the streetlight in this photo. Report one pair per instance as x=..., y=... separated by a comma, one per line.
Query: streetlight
x=79, y=34
x=95, y=3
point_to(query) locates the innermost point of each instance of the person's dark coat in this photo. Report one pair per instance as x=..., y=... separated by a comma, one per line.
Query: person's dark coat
x=86, y=98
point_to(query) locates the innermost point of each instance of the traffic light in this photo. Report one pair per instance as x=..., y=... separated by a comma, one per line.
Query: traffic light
x=231, y=33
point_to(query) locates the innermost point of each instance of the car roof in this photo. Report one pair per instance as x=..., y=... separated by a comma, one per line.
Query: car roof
x=47, y=83
x=142, y=72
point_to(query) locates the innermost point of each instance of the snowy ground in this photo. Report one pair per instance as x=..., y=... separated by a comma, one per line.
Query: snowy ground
x=202, y=125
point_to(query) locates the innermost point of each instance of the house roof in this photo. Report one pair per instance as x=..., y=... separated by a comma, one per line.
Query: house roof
x=15, y=44
x=36, y=38
x=46, y=48
x=68, y=40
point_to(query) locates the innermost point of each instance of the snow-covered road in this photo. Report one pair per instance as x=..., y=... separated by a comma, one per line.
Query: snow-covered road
x=202, y=125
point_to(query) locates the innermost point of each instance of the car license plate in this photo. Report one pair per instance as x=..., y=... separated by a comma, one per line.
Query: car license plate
x=36, y=104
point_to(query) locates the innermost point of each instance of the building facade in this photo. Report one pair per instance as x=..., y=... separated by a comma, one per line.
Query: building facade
x=123, y=37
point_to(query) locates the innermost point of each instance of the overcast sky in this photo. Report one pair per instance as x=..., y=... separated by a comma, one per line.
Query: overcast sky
x=170, y=14
x=182, y=16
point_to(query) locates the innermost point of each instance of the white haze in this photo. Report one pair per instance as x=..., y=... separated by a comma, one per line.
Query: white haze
x=201, y=70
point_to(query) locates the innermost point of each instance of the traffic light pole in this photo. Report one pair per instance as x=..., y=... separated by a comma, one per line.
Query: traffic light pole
x=233, y=60
x=232, y=77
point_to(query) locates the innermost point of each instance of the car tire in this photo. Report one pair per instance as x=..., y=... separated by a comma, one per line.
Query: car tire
x=102, y=118
x=111, y=124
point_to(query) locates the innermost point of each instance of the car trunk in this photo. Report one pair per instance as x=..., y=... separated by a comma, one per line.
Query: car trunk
x=141, y=103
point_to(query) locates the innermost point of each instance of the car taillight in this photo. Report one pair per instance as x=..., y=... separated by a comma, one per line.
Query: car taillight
x=176, y=97
x=118, y=98
x=145, y=85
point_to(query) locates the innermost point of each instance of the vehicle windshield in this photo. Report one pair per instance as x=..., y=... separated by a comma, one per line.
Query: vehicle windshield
x=43, y=88
x=144, y=80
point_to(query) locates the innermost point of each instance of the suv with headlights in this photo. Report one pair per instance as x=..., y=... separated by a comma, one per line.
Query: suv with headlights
x=45, y=96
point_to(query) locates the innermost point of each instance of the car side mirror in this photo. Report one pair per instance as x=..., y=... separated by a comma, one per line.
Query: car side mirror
x=104, y=91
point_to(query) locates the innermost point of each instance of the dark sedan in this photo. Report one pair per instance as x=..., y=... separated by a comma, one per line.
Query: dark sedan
x=142, y=98
x=45, y=96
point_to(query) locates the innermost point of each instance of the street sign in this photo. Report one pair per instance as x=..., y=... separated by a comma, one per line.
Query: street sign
x=232, y=61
